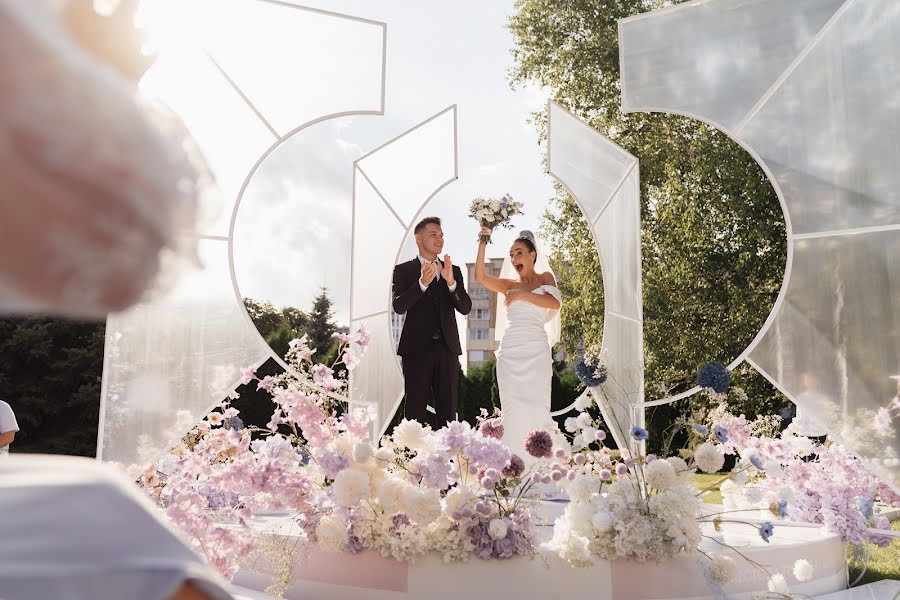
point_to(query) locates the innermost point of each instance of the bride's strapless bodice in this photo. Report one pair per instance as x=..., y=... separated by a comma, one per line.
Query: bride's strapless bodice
x=524, y=314
x=525, y=324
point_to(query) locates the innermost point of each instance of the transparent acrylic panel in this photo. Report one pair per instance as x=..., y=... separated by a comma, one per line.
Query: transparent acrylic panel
x=729, y=53
x=408, y=170
x=618, y=232
x=377, y=235
x=829, y=134
x=167, y=361
x=623, y=342
x=835, y=344
x=295, y=64
x=230, y=137
x=590, y=165
x=377, y=379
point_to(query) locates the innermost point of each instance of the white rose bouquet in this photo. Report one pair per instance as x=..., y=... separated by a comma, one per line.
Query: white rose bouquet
x=492, y=213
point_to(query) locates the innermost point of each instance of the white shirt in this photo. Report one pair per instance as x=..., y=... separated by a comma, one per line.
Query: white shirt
x=424, y=287
x=7, y=423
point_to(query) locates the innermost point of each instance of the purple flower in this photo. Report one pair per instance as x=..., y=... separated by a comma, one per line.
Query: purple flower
x=621, y=470
x=486, y=451
x=605, y=474
x=757, y=462
x=782, y=508
x=765, y=531
x=354, y=545
x=539, y=444
x=865, y=506
x=492, y=428
x=515, y=468
x=701, y=429
x=399, y=520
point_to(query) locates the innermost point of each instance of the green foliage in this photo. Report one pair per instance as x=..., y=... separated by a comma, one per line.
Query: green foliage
x=50, y=375
x=321, y=326
x=713, y=235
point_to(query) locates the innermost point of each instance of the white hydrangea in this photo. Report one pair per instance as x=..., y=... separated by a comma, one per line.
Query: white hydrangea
x=569, y=544
x=390, y=495
x=803, y=570
x=584, y=420
x=362, y=451
x=457, y=499
x=709, y=457
x=421, y=505
x=331, y=534
x=660, y=475
x=350, y=487
x=722, y=569
x=602, y=521
x=570, y=425
x=582, y=487
x=385, y=454
x=412, y=435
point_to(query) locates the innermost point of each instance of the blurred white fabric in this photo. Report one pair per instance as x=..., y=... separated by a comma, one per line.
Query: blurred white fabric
x=7, y=423
x=76, y=529
x=94, y=190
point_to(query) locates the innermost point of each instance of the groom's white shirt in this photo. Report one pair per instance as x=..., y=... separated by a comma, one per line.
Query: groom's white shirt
x=424, y=287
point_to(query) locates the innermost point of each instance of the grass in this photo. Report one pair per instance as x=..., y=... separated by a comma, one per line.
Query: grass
x=884, y=563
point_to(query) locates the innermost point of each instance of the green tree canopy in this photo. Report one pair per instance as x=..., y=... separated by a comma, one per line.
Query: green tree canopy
x=713, y=232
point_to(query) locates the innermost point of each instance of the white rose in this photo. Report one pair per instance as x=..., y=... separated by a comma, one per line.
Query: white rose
x=495, y=206
x=362, y=452
x=497, y=529
x=350, y=487
x=709, y=457
x=331, y=534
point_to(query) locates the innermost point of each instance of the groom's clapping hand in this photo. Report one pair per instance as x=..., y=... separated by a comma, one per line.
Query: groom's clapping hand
x=447, y=271
x=429, y=272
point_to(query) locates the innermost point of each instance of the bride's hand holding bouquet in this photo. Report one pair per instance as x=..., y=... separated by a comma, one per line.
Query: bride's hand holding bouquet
x=492, y=213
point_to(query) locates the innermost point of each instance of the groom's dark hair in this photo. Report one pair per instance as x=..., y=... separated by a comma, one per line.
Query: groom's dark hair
x=427, y=221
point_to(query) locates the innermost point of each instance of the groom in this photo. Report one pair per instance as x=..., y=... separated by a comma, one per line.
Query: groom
x=428, y=290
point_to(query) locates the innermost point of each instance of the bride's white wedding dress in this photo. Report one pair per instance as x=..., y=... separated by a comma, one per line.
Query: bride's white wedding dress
x=524, y=371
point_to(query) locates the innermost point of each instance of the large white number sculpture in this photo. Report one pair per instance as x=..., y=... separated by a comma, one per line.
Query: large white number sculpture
x=810, y=88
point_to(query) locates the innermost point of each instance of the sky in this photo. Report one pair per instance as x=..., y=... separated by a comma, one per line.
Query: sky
x=292, y=226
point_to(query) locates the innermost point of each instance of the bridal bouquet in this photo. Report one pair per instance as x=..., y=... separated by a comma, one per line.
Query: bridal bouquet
x=493, y=213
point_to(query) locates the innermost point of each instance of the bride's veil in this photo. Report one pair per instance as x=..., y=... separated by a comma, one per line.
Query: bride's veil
x=553, y=323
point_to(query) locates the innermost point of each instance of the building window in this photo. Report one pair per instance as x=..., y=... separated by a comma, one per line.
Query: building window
x=479, y=334
x=481, y=314
x=476, y=356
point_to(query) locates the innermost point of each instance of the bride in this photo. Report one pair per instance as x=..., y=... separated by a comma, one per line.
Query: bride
x=528, y=323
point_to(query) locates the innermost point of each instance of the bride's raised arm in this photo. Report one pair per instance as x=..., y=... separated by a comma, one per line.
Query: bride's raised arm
x=495, y=284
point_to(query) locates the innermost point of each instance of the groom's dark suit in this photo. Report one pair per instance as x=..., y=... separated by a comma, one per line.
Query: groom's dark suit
x=429, y=344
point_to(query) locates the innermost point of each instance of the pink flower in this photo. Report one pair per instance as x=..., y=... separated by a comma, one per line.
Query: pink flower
x=266, y=383
x=248, y=375
x=492, y=428
x=539, y=444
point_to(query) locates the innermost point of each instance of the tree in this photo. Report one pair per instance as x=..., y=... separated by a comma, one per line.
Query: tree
x=320, y=326
x=713, y=242
x=50, y=374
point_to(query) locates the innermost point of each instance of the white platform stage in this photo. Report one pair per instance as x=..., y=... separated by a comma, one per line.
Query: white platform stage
x=368, y=576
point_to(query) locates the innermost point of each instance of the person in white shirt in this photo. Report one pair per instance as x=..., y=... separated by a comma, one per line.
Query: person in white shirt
x=8, y=428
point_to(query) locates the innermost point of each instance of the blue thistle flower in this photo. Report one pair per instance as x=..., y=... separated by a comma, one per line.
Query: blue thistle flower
x=765, y=531
x=701, y=429
x=866, y=506
x=233, y=423
x=782, y=508
x=721, y=433
x=639, y=433
x=714, y=375
x=590, y=375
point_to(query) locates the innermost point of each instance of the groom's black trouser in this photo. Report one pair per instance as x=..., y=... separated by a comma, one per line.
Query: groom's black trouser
x=431, y=373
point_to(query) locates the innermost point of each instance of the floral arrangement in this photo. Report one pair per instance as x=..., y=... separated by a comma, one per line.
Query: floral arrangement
x=795, y=478
x=714, y=376
x=591, y=368
x=492, y=213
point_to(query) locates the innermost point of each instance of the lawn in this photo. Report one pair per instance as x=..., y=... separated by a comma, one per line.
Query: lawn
x=884, y=563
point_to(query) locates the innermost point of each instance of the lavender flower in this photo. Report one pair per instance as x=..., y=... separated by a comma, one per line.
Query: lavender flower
x=782, y=508
x=865, y=506
x=757, y=462
x=539, y=444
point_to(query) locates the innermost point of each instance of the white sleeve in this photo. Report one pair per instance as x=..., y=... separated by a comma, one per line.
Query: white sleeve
x=7, y=419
